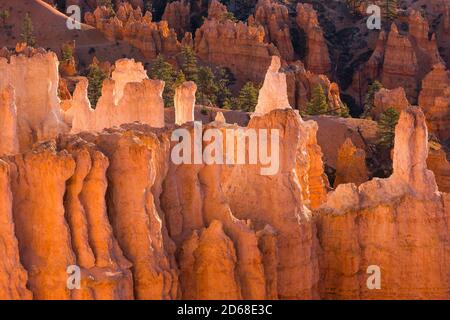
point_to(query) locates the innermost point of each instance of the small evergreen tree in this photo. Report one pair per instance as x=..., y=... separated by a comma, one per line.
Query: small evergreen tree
x=247, y=98
x=105, y=3
x=179, y=79
x=207, y=88
x=162, y=70
x=27, y=34
x=224, y=81
x=96, y=76
x=318, y=103
x=386, y=128
x=189, y=65
x=66, y=53
x=370, y=97
x=389, y=9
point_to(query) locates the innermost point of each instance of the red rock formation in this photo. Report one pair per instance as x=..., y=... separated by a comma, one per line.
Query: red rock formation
x=437, y=162
x=34, y=76
x=247, y=55
x=9, y=143
x=387, y=223
x=386, y=98
x=435, y=101
x=400, y=59
x=351, y=165
x=400, y=67
x=13, y=277
x=177, y=15
x=274, y=17
x=301, y=83
x=317, y=59
x=151, y=38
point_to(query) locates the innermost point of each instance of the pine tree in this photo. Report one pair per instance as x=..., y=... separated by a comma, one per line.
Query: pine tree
x=207, y=88
x=224, y=81
x=179, y=79
x=27, y=34
x=105, y=3
x=370, y=97
x=96, y=77
x=389, y=9
x=386, y=128
x=247, y=98
x=4, y=15
x=162, y=70
x=189, y=66
x=318, y=103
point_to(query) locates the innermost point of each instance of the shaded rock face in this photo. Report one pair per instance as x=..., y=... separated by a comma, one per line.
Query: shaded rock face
x=435, y=101
x=401, y=59
x=301, y=83
x=177, y=15
x=275, y=20
x=151, y=38
x=385, y=99
x=351, y=165
x=247, y=55
x=398, y=224
x=437, y=162
x=317, y=58
x=34, y=77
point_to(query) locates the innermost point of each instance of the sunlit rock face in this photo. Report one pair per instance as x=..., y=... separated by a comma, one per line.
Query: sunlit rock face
x=247, y=54
x=34, y=77
x=129, y=96
x=399, y=224
x=184, y=101
x=351, y=165
x=273, y=94
x=138, y=29
x=9, y=142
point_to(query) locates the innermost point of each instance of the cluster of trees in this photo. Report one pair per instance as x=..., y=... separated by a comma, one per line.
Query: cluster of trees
x=318, y=105
x=388, y=7
x=387, y=121
x=213, y=84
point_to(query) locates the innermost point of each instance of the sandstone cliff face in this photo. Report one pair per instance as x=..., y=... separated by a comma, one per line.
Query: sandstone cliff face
x=129, y=96
x=177, y=15
x=301, y=83
x=151, y=38
x=386, y=98
x=34, y=77
x=317, y=58
x=398, y=224
x=437, y=162
x=247, y=55
x=435, y=101
x=140, y=225
x=401, y=58
x=9, y=142
x=274, y=18
x=351, y=165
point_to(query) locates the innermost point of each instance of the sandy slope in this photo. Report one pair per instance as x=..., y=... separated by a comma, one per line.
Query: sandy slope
x=51, y=31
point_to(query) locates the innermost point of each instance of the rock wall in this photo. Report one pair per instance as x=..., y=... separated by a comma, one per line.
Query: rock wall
x=398, y=224
x=33, y=75
x=317, y=58
x=247, y=55
x=151, y=38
